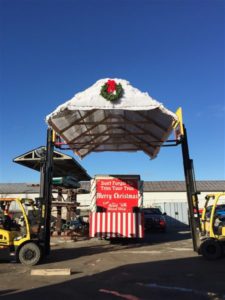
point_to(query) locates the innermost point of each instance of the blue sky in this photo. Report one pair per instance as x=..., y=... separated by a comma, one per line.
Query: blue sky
x=172, y=49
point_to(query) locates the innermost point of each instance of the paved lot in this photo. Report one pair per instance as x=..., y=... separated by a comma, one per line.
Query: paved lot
x=164, y=266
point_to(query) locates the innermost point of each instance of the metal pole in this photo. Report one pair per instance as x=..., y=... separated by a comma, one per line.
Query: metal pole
x=46, y=195
x=191, y=192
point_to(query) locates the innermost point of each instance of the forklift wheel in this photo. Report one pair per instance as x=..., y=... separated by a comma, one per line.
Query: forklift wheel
x=29, y=254
x=211, y=249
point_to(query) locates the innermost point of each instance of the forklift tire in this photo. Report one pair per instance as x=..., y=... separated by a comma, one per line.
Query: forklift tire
x=211, y=249
x=29, y=254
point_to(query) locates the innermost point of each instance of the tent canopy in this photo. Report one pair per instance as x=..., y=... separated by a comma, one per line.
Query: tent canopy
x=90, y=123
x=63, y=164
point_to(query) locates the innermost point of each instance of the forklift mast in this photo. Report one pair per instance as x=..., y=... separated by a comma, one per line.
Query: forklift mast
x=192, y=193
x=46, y=190
x=46, y=193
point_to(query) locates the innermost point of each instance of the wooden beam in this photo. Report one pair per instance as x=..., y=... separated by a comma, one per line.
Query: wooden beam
x=150, y=134
x=79, y=121
x=150, y=120
x=93, y=148
x=83, y=133
x=141, y=144
x=116, y=135
x=91, y=140
x=120, y=142
x=50, y=272
x=113, y=122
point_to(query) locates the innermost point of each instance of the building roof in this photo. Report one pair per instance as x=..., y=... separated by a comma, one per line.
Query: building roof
x=134, y=122
x=19, y=188
x=180, y=186
x=149, y=186
x=63, y=164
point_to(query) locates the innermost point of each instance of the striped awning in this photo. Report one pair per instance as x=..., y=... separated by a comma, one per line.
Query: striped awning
x=116, y=224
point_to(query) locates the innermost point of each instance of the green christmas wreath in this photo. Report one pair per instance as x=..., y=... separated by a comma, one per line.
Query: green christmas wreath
x=111, y=90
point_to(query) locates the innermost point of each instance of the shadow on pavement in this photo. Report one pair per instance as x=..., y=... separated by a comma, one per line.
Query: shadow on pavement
x=4, y=292
x=184, y=278
x=152, y=238
x=155, y=237
x=169, y=236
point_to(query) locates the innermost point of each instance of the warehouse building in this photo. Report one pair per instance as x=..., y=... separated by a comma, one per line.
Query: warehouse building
x=169, y=196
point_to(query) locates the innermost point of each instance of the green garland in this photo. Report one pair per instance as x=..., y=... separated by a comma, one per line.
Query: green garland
x=112, y=96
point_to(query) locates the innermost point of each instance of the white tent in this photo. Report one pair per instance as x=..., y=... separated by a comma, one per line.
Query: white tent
x=90, y=123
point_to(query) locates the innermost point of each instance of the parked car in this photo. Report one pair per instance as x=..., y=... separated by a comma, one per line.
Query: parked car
x=154, y=219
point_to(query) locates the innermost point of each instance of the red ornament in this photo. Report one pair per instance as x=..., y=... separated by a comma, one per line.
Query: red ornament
x=111, y=86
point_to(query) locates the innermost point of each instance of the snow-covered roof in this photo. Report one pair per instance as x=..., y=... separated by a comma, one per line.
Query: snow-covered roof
x=90, y=123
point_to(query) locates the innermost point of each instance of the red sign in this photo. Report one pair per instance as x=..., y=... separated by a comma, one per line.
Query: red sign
x=117, y=195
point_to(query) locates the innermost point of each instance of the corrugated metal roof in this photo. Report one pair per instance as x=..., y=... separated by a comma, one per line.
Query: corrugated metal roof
x=180, y=186
x=176, y=186
x=149, y=186
x=19, y=188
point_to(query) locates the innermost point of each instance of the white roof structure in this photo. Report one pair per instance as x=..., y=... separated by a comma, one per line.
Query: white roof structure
x=90, y=123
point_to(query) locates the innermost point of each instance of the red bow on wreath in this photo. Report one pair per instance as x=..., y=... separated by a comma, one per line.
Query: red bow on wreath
x=111, y=90
x=111, y=86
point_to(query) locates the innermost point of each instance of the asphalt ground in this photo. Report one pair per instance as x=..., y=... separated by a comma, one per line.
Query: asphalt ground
x=163, y=266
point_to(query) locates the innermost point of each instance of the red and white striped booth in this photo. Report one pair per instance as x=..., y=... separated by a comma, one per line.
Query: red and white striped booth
x=116, y=224
x=116, y=203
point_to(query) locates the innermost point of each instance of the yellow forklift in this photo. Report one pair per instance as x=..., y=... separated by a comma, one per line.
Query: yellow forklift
x=31, y=246
x=25, y=224
x=213, y=227
x=19, y=237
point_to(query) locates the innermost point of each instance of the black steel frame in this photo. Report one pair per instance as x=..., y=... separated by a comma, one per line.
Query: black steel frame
x=46, y=187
